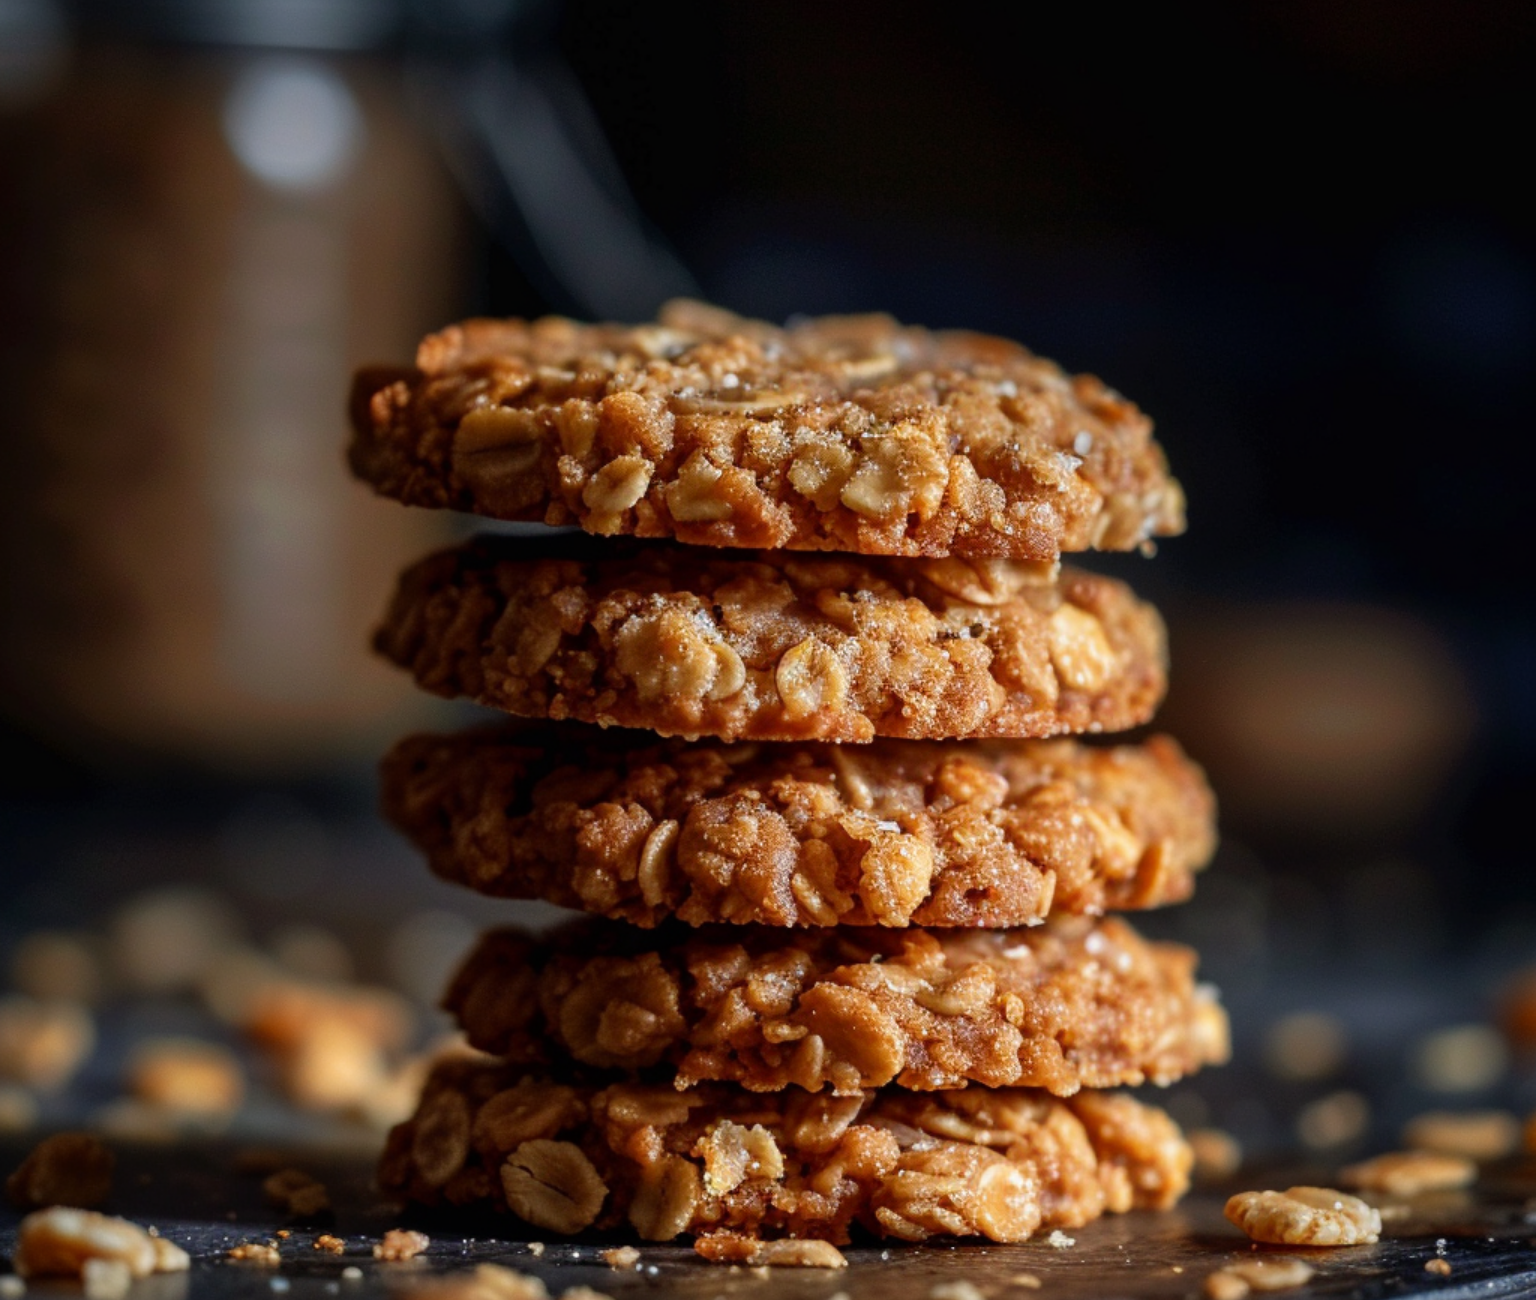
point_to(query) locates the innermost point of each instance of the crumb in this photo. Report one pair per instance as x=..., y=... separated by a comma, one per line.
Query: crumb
x=1026, y=1280
x=282, y=1234
x=58, y=1242
x=1222, y=1285
x=1058, y=1240
x=298, y=1193
x=351, y=1273
x=400, y=1244
x=960, y=1290
x=1305, y=1216
x=66, y=1169
x=1476, y=1134
x=1438, y=1266
x=622, y=1257
x=254, y=1252
x=1217, y=1153
x=187, y=1075
x=1407, y=1173
x=42, y=1044
x=329, y=1242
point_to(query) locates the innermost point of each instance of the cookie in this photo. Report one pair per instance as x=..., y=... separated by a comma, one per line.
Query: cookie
x=775, y=646
x=847, y=433
x=976, y=1162
x=894, y=833
x=1071, y=1005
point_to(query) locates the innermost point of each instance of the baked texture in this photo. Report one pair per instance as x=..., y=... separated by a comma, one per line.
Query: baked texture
x=894, y=833
x=1075, y=1004
x=846, y=433
x=776, y=646
x=723, y=1162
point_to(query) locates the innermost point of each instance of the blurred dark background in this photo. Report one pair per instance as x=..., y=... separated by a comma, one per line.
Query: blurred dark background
x=1298, y=234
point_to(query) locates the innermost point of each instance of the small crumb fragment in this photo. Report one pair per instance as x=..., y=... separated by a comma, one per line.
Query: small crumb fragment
x=1439, y=1267
x=18, y=1109
x=351, y=1273
x=261, y=1254
x=958, y=1290
x=282, y=1234
x=1058, y=1240
x=1305, y=1216
x=1222, y=1285
x=621, y=1257
x=400, y=1244
x=105, y=1279
x=297, y=1192
x=1026, y=1280
x=787, y=1253
x=188, y=1076
x=65, y=1169
x=331, y=1243
x=536, y=1249
x=1476, y=1134
x=1408, y=1173
x=1217, y=1153
x=42, y=1044
x=58, y=1242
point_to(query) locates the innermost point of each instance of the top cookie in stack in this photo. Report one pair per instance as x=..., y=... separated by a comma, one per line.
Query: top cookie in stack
x=951, y=470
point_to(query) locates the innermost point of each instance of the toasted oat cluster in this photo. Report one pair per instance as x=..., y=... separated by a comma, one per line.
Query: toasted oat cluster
x=1059, y=1007
x=774, y=646
x=846, y=433
x=973, y=1162
x=894, y=833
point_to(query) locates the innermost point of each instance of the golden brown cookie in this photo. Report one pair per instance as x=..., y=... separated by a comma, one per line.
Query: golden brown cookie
x=776, y=646
x=996, y=1163
x=1075, y=1004
x=846, y=433
x=983, y=833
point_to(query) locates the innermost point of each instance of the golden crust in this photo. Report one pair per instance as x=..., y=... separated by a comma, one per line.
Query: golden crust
x=775, y=646
x=845, y=433
x=1061, y=1007
x=984, y=833
x=994, y=1163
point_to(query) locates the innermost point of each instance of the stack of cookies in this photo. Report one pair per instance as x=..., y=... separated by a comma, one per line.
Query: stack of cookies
x=845, y=961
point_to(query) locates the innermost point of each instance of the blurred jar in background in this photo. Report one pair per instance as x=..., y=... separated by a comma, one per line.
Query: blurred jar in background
x=198, y=244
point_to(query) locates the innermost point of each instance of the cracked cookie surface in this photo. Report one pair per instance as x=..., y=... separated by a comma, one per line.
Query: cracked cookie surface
x=776, y=646
x=894, y=833
x=1071, y=1005
x=845, y=433
x=993, y=1163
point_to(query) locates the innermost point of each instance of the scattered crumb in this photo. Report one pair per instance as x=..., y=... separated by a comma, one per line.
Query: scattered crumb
x=351, y=1273
x=536, y=1249
x=734, y=1248
x=65, y=1169
x=401, y=1244
x=282, y=1234
x=622, y=1257
x=18, y=1109
x=298, y=1193
x=1439, y=1267
x=1026, y=1280
x=960, y=1290
x=1476, y=1134
x=1408, y=1173
x=58, y=1242
x=330, y=1242
x=105, y=1279
x=1334, y=1120
x=1058, y=1240
x=262, y=1254
x=42, y=1044
x=188, y=1076
x=1217, y=1153
x=1305, y=1216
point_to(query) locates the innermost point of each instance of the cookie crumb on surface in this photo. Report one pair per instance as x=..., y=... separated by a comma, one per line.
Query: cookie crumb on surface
x=260, y=1253
x=331, y=1243
x=536, y=1249
x=1058, y=1240
x=621, y=1257
x=959, y=1290
x=1440, y=1267
x=1026, y=1280
x=1305, y=1216
x=400, y=1244
x=73, y=1169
